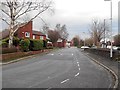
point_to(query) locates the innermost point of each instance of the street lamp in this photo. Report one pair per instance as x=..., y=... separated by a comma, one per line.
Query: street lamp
x=104, y=46
x=111, y=49
x=84, y=39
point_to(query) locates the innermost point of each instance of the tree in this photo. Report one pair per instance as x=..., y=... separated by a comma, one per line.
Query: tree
x=53, y=35
x=117, y=40
x=97, y=30
x=14, y=10
x=45, y=28
x=62, y=31
x=89, y=42
x=76, y=40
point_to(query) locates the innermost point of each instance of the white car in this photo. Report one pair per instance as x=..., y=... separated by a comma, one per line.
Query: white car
x=84, y=47
x=115, y=48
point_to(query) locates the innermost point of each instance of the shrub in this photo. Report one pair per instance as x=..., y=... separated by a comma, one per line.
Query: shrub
x=4, y=44
x=36, y=45
x=44, y=43
x=8, y=50
x=6, y=40
x=25, y=44
x=16, y=41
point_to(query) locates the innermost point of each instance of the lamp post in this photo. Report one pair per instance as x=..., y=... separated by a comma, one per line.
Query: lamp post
x=84, y=39
x=111, y=49
x=104, y=46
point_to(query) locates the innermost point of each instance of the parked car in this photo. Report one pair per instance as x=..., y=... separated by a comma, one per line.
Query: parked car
x=114, y=47
x=84, y=47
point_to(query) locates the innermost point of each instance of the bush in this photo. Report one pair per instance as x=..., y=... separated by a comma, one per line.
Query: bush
x=44, y=43
x=16, y=41
x=6, y=40
x=36, y=45
x=8, y=50
x=25, y=44
x=4, y=44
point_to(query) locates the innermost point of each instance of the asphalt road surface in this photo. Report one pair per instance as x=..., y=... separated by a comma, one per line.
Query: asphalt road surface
x=64, y=68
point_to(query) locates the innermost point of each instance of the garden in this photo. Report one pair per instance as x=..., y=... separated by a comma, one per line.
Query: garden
x=22, y=48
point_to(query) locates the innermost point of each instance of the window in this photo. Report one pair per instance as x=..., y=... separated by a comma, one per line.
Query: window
x=33, y=36
x=41, y=37
x=27, y=34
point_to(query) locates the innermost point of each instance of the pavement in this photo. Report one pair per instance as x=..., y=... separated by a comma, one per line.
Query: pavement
x=111, y=64
x=64, y=68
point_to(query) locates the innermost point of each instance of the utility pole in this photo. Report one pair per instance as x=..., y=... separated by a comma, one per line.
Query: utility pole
x=111, y=49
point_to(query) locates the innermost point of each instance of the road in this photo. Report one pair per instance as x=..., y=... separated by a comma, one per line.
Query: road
x=64, y=68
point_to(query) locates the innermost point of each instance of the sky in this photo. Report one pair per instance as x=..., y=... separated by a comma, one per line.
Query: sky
x=77, y=15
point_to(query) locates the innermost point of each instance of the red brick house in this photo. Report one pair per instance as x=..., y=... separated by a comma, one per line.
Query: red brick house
x=26, y=31
x=60, y=43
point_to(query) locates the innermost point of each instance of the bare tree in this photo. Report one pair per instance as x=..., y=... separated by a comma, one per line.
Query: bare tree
x=14, y=10
x=53, y=35
x=97, y=30
x=62, y=31
x=76, y=40
x=64, y=34
x=89, y=42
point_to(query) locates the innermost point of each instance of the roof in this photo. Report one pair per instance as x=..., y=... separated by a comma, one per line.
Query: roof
x=5, y=32
x=38, y=33
x=59, y=40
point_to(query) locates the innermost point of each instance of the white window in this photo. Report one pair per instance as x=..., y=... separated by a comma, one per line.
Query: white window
x=27, y=34
x=41, y=37
x=33, y=36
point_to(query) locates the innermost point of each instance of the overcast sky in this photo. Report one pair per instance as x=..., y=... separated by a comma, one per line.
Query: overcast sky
x=78, y=15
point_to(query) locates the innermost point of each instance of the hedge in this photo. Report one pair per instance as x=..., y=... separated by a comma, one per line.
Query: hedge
x=24, y=44
x=16, y=41
x=36, y=45
x=4, y=44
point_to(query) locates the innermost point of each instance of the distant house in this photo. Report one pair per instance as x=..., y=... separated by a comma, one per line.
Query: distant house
x=61, y=43
x=25, y=31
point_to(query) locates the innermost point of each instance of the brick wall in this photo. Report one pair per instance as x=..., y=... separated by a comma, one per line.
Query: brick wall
x=26, y=28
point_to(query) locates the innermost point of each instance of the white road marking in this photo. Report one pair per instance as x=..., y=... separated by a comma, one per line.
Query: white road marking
x=109, y=86
x=72, y=54
x=77, y=62
x=48, y=88
x=77, y=74
x=64, y=81
x=78, y=65
x=79, y=69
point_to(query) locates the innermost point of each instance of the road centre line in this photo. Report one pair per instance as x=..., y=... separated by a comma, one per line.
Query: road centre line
x=65, y=81
x=77, y=74
x=78, y=65
x=48, y=88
